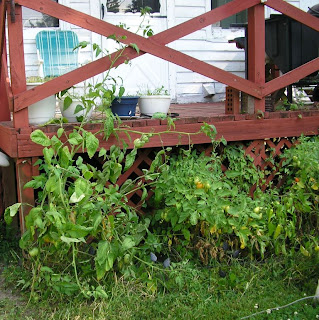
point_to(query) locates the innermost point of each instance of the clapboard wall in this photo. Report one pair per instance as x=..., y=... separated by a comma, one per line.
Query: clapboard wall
x=210, y=45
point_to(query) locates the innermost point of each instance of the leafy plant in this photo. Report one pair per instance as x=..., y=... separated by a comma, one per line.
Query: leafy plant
x=153, y=92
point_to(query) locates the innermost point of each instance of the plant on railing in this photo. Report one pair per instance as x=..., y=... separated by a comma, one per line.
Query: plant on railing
x=99, y=96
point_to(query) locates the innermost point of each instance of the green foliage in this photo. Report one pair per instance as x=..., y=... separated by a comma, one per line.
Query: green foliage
x=82, y=219
x=200, y=207
x=82, y=233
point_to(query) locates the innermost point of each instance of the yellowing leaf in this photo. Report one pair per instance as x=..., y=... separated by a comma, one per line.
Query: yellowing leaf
x=304, y=251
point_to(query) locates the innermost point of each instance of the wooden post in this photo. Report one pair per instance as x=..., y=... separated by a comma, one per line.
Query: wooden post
x=257, y=50
x=24, y=172
x=4, y=93
x=17, y=64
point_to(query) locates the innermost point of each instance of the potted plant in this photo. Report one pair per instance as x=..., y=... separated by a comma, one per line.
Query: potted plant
x=153, y=101
x=124, y=106
x=43, y=110
x=75, y=107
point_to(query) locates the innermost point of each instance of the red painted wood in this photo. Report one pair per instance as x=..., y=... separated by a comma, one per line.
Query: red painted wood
x=146, y=45
x=204, y=20
x=152, y=45
x=231, y=130
x=24, y=170
x=17, y=65
x=256, y=50
x=4, y=91
x=2, y=27
x=295, y=13
x=291, y=77
x=8, y=139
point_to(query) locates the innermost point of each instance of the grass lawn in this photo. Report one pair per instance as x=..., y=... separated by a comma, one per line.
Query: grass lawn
x=232, y=289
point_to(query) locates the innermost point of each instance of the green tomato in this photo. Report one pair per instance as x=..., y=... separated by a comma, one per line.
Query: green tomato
x=127, y=258
x=34, y=252
x=257, y=210
x=138, y=143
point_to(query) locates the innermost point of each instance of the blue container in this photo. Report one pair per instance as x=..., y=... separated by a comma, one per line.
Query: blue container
x=124, y=107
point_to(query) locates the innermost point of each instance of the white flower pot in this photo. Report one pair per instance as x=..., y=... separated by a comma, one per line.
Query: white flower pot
x=4, y=160
x=43, y=110
x=149, y=105
x=69, y=112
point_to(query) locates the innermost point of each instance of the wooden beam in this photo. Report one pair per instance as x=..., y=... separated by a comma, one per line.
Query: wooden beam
x=230, y=130
x=291, y=77
x=3, y=9
x=17, y=64
x=24, y=170
x=294, y=13
x=256, y=50
x=8, y=141
x=4, y=90
x=149, y=45
x=96, y=25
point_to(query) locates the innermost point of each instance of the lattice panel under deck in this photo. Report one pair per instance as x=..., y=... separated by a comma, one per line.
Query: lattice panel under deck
x=265, y=155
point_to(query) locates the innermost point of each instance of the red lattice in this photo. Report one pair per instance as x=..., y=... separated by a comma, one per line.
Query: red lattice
x=265, y=154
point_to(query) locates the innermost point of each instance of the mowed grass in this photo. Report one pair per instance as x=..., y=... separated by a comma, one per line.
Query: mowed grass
x=223, y=290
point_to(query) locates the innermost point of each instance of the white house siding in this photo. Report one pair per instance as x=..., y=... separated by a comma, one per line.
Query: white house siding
x=31, y=59
x=210, y=45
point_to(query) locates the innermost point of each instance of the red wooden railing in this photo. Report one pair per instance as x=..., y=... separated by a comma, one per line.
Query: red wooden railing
x=255, y=85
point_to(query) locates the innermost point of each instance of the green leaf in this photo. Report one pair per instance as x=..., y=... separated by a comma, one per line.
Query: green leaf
x=71, y=240
x=60, y=132
x=116, y=172
x=130, y=158
x=105, y=258
x=65, y=156
x=304, y=251
x=186, y=234
x=10, y=212
x=128, y=243
x=38, y=137
x=144, y=194
x=135, y=47
x=48, y=154
x=78, y=108
x=194, y=218
x=76, y=231
x=92, y=144
x=102, y=152
x=121, y=91
x=76, y=198
x=52, y=184
x=183, y=216
x=75, y=138
x=67, y=102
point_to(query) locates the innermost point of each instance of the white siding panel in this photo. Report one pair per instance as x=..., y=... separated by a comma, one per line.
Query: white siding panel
x=189, y=12
x=190, y=3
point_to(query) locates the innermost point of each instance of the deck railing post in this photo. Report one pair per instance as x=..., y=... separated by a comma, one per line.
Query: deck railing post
x=256, y=50
x=4, y=98
x=17, y=64
x=24, y=172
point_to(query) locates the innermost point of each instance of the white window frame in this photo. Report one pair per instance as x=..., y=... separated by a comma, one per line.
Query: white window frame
x=162, y=13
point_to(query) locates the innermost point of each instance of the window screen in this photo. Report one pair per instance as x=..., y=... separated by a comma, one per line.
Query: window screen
x=35, y=19
x=240, y=17
x=123, y=6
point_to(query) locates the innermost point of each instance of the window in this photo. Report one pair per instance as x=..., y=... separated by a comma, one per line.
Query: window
x=124, y=6
x=35, y=19
x=240, y=17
